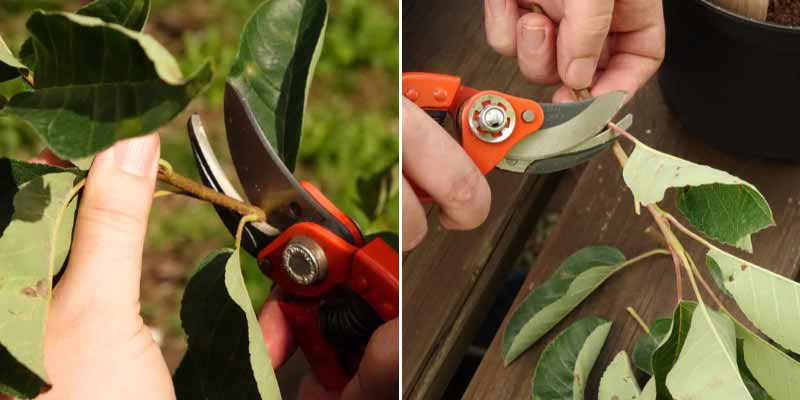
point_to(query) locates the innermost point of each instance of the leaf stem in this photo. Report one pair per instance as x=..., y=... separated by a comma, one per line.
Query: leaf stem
x=639, y=320
x=167, y=175
x=644, y=255
x=240, y=229
x=57, y=225
x=674, y=246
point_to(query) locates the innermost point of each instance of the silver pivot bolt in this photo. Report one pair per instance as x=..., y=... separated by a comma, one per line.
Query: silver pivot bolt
x=528, y=116
x=304, y=261
x=492, y=119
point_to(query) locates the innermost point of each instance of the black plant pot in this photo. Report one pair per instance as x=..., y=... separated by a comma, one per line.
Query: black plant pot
x=733, y=81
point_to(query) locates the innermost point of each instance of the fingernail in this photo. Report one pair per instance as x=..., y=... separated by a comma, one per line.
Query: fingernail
x=136, y=156
x=533, y=37
x=580, y=72
x=497, y=7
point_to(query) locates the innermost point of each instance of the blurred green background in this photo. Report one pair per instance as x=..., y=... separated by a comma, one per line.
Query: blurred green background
x=350, y=129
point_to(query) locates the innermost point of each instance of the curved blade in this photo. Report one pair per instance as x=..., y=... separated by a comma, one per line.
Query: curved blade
x=255, y=235
x=566, y=126
x=263, y=175
x=571, y=157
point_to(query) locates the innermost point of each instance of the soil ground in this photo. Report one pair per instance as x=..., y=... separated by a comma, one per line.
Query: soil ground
x=784, y=12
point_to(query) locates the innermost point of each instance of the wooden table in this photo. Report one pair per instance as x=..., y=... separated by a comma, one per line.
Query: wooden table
x=451, y=280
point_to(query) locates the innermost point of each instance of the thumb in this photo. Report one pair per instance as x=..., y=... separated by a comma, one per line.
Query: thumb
x=105, y=262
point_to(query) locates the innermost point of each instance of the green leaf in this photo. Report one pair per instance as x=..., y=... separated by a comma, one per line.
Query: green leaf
x=755, y=388
x=769, y=300
x=720, y=205
x=565, y=364
x=736, y=212
x=706, y=367
x=34, y=247
x=227, y=357
x=114, y=83
x=767, y=367
x=376, y=190
x=668, y=351
x=647, y=344
x=618, y=382
x=273, y=69
x=10, y=66
x=13, y=174
x=131, y=14
x=576, y=278
x=649, y=390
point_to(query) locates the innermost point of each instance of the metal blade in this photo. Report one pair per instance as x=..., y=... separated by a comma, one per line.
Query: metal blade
x=566, y=126
x=263, y=175
x=255, y=235
x=569, y=158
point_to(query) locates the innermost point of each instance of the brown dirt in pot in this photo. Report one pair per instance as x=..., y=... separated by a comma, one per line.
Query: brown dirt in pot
x=784, y=12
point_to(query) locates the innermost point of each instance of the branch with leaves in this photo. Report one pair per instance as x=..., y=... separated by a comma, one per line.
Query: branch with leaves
x=699, y=352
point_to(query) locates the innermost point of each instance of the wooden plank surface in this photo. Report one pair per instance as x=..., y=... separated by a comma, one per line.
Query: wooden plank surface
x=600, y=211
x=450, y=281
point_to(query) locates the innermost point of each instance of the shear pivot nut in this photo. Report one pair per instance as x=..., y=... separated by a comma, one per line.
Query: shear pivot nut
x=491, y=118
x=304, y=261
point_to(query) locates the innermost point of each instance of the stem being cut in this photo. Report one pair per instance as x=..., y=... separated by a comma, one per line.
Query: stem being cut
x=191, y=188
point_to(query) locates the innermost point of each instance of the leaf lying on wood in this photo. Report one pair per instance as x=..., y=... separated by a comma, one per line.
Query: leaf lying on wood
x=766, y=298
x=565, y=364
x=647, y=344
x=34, y=246
x=720, y=205
x=665, y=356
x=706, y=367
x=278, y=53
x=114, y=83
x=576, y=278
x=227, y=357
x=618, y=382
x=10, y=66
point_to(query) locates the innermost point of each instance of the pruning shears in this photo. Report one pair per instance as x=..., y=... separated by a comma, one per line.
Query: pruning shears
x=513, y=133
x=337, y=285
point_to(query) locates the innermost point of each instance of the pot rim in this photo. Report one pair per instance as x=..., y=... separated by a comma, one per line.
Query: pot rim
x=750, y=21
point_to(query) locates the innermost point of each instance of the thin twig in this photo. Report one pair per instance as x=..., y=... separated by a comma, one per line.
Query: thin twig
x=705, y=284
x=674, y=221
x=167, y=175
x=639, y=320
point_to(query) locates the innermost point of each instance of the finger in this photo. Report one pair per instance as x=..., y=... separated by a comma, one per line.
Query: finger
x=311, y=389
x=500, y=18
x=439, y=166
x=275, y=328
x=635, y=55
x=581, y=35
x=536, y=48
x=47, y=157
x=105, y=262
x=376, y=377
x=415, y=224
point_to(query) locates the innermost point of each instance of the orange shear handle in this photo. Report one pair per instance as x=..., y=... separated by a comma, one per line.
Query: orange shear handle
x=438, y=92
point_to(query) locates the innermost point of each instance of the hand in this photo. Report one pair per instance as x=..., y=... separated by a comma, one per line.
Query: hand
x=439, y=166
x=96, y=344
x=376, y=378
x=603, y=44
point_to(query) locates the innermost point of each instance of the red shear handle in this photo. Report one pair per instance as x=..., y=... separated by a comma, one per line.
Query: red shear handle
x=374, y=276
x=491, y=123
